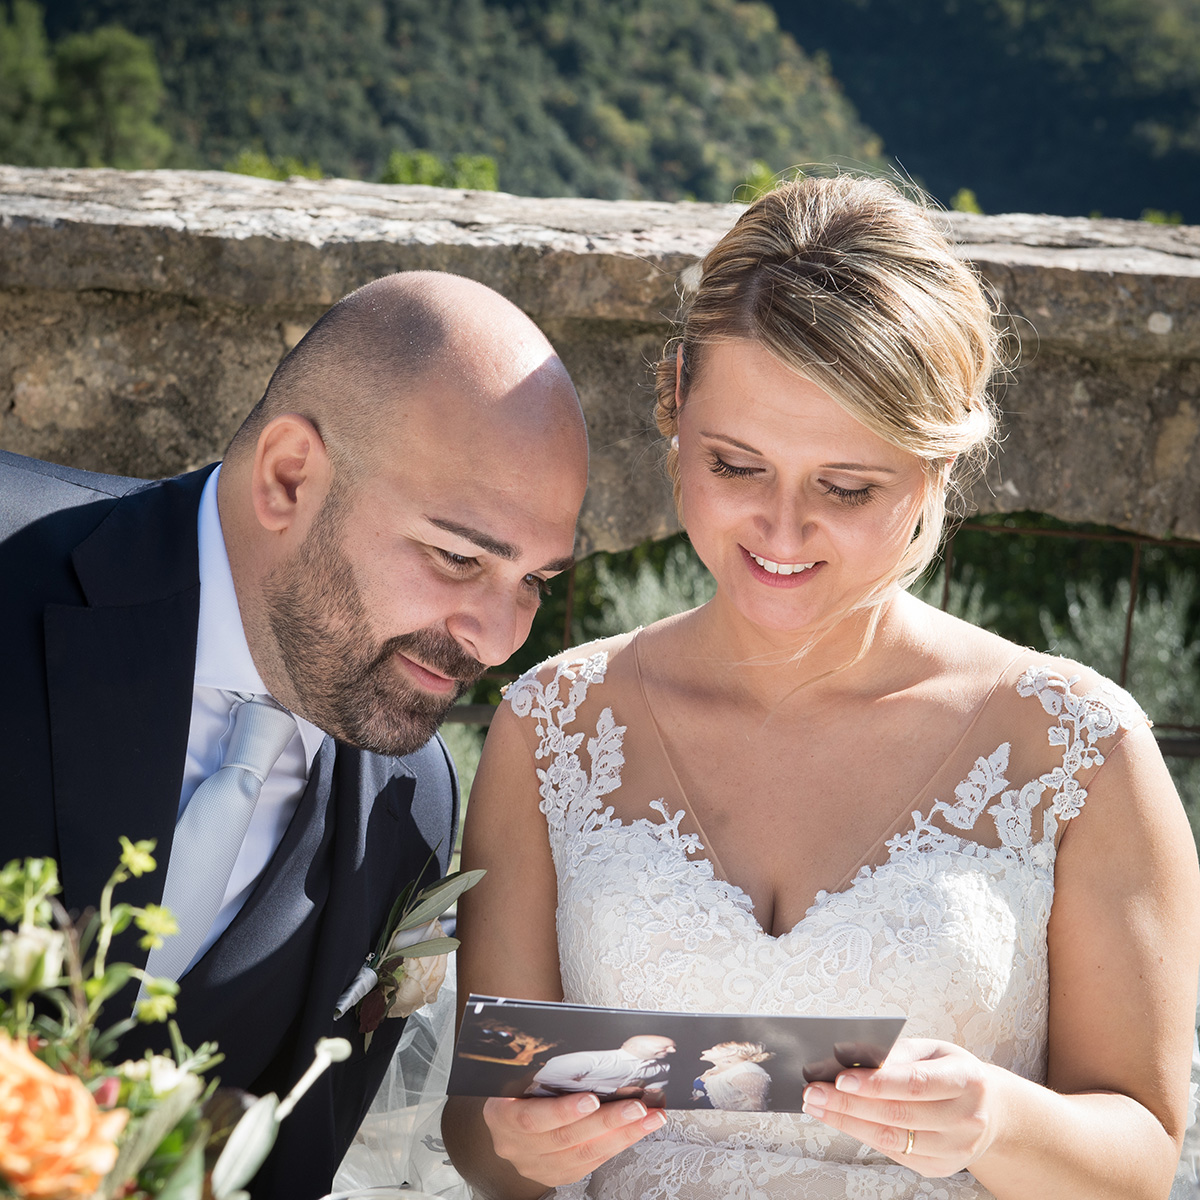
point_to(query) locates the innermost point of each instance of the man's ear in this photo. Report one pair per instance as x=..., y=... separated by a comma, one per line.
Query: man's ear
x=291, y=473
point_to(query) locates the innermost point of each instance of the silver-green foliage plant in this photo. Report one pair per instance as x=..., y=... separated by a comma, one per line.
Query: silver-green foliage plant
x=965, y=599
x=465, y=743
x=651, y=594
x=1162, y=673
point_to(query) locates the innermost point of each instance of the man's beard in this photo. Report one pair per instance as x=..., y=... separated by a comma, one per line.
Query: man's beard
x=343, y=682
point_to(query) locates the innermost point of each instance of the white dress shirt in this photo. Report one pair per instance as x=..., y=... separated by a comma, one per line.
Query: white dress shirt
x=599, y=1071
x=224, y=668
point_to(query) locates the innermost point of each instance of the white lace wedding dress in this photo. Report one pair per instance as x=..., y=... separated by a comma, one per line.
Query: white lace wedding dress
x=945, y=921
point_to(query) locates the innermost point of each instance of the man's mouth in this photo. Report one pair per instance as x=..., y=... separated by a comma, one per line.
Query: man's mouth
x=431, y=681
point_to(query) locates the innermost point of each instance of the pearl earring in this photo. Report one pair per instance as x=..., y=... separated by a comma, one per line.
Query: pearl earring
x=675, y=442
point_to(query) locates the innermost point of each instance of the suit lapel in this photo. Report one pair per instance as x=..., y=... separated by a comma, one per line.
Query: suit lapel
x=251, y=985
x=309, y=923
x=119, y=678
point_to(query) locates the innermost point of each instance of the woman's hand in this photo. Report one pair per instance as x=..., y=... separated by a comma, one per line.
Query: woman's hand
x=559, y=1140
x=932, y=1106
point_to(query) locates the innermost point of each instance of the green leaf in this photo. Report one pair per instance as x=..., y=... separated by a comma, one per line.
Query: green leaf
x=104, y=1044
x=393, y=916
x=148, y=1133
x=186, y=1182
x=429, y=949
x=439, y=898
x=247, y=1148
x=111, y=982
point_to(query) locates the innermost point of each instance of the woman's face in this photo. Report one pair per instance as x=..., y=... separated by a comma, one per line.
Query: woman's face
x=793, y=505
x=719, y=1054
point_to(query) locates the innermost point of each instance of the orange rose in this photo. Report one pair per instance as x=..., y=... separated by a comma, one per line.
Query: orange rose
x=55, y=1144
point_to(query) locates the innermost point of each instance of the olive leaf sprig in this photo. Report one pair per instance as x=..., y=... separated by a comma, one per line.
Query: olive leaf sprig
x=375, y=987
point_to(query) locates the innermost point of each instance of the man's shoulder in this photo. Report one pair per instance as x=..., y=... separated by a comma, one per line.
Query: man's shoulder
x=431, y=763
x=18, y=470
x=31, y=489
x=433, y=801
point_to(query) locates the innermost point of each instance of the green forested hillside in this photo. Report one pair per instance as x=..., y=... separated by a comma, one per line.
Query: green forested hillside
x=663, y=98
x=1061, y=106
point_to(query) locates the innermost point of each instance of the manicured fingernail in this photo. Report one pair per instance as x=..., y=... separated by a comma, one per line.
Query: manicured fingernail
x=655, y=1120
x=632, y=1111
x=847, y=1083
x=814, y=1102
x=588, y=1104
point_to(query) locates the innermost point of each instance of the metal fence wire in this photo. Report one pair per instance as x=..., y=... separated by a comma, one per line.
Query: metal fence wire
x=1179, y=741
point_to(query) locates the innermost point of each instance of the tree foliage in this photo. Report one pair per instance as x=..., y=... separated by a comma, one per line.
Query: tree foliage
x=91, y=99
x=26, y=88
x=606, y=98
x=1060, y=106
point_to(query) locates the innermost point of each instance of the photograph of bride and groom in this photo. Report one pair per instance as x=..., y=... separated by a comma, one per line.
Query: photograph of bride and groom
x=799, y=762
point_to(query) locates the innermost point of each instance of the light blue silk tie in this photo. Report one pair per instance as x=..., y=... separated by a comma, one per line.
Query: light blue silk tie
x=211, y=830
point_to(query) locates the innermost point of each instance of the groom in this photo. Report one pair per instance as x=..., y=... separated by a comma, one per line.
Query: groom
x=376, y=536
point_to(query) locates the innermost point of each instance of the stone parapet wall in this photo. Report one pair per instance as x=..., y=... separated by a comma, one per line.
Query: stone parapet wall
x=143, y=312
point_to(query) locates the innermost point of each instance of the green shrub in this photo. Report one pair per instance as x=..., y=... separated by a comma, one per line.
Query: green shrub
x=647, y=594
x=255, y=162
x=1163, y=662
x=476, y=172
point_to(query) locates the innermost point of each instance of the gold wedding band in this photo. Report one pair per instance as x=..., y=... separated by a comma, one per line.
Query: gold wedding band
x=908, y=1146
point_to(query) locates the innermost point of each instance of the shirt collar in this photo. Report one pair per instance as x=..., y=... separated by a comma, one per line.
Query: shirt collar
x=222, y=655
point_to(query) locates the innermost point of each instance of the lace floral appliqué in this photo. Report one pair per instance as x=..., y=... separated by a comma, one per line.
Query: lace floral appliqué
x=949, y=930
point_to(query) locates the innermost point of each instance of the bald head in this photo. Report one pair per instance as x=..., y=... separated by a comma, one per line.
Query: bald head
x=648, y=1045
x=396, y=503
x=355, y=372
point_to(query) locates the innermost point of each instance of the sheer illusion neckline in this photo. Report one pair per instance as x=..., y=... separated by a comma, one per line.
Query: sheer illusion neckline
x=905, y=819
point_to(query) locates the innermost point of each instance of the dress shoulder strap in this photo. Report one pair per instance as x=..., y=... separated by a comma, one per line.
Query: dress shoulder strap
x=576, y=767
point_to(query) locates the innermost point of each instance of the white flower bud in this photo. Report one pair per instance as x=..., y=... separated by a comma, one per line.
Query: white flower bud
x=423, y=977
x=165, y=1076
x=21, y=949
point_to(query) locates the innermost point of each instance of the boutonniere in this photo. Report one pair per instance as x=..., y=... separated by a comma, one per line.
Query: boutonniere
x=408, y=965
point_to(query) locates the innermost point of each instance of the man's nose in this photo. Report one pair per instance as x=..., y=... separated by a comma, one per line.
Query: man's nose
x=491, y=629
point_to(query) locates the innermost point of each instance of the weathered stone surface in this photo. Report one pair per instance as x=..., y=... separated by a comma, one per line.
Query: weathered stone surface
x=143, y=312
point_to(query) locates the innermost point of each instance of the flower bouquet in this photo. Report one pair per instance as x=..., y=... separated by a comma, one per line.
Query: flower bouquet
x=73, y=1122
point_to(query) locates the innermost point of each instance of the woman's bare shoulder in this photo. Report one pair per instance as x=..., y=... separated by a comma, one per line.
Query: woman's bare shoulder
x=969, y=658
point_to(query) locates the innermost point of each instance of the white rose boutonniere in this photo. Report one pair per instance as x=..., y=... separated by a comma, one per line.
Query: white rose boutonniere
x=409, y=964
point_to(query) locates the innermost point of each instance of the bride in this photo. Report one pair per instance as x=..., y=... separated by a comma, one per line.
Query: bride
x=816, y=794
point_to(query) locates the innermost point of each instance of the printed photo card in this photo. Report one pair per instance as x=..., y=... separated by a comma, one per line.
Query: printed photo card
x=667, y=1060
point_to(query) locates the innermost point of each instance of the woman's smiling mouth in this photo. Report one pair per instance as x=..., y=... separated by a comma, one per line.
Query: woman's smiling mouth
x=776, y=568
x=779, y=574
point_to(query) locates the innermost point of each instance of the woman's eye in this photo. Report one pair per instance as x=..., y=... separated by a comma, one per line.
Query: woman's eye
x=718, y=466
x=850, y=495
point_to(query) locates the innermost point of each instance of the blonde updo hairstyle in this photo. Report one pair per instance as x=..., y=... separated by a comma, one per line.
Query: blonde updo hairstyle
x=754, y=1052
x=850, y=284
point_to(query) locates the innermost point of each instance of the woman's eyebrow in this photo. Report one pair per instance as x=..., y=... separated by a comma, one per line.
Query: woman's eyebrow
x=860, y=467
x=720, y=437
x=834, y=466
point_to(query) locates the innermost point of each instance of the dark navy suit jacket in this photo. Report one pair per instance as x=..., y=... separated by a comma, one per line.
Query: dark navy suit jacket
x=99, y=604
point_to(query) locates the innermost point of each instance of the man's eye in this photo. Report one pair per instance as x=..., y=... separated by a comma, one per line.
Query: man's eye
x=459, y=561
x=537, y=584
